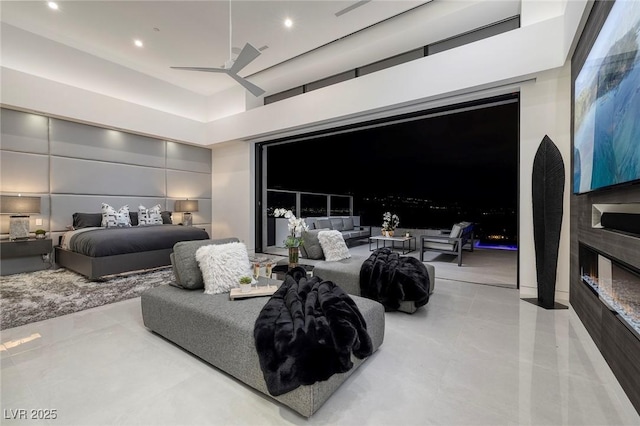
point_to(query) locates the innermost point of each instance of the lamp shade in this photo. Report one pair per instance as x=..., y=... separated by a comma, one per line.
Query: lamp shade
x=186, y=206
x=15, y=205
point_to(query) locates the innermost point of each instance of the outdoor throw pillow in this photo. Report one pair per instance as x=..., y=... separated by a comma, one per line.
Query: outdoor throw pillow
x=333, y=246
x=222, y=265
x=112, y=218
x=150, y=216
x=455, y=232
x=348, y=224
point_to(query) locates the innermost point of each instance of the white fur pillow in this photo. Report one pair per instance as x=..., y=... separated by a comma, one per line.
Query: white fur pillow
x=333, y=245
x=222, y=265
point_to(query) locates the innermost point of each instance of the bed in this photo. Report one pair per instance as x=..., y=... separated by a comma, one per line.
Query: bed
x=95, y=251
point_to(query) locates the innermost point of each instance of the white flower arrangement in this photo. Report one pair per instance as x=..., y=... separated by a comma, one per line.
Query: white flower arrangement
x=296, y=227
x=390, y=221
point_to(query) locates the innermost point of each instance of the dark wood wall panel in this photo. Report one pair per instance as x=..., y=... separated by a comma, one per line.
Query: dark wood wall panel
x=588, y=309
x=618, y=344
x=616, y=244
x=622, y=352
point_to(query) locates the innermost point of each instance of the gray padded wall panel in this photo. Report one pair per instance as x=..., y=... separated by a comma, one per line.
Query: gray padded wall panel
x=90, y=165
x=24, y=173
x=74, y=176
x=203, y=215
x=24, y=132
x=188, y=158
x=93, y=143
x=64, y=206
x=188, y=185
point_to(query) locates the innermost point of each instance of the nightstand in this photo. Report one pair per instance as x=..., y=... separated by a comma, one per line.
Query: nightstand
x=24, y=255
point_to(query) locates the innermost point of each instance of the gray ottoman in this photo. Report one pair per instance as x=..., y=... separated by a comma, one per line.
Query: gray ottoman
x=220, y=331
x=346, y=273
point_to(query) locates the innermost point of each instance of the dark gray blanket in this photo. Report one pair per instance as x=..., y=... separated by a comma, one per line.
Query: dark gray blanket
x=390, y=279
x=113, y=241
x=306, y=333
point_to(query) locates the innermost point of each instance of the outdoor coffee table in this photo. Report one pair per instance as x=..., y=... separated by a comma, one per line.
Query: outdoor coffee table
x=404, y=240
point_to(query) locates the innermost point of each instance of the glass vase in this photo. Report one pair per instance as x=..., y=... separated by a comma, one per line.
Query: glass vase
x=293, y=257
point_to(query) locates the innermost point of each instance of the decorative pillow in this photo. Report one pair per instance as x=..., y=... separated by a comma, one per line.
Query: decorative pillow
x=323, y=223
x=348, y=224
x=166, y=217
x=112, y=218
x=150, y=216
x=333, y=246
x=311, y=248
x=185, y=266
x=133, y=216
x=337, y=224
x=222, y=265
x=455, y=233
x=86, y=220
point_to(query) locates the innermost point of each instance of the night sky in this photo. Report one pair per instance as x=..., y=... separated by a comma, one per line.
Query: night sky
x=470, y=155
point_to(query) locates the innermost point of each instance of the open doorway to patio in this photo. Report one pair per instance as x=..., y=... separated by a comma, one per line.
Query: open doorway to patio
x=433, y=169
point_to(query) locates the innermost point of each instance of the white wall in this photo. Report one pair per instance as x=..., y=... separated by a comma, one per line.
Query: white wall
x=232, y=191
x=37, y=94
x=475, y=66
x=42, y=57
x=542, y=43
x=545, y=109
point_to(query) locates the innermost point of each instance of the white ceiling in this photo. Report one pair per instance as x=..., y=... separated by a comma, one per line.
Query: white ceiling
x=196, y=33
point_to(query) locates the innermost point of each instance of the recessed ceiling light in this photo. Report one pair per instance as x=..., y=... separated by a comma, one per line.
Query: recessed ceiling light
x=288, y=23
x=53, y=5
x=138, y=43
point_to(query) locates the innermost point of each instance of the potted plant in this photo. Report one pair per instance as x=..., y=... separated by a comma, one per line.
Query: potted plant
x=389, y=223
x=40, y=233
x=294, y=240
x=245, y=284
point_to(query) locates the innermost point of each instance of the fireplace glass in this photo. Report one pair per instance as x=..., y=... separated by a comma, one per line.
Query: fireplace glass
x=617, y=285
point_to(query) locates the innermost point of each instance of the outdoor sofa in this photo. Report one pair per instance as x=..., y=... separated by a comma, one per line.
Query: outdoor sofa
x=344, y=224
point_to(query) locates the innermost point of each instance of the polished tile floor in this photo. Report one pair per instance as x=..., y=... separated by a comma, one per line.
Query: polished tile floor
x=475, y=355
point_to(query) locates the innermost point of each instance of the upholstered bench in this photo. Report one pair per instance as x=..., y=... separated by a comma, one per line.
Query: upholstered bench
x=346, y=273
x=220, y=331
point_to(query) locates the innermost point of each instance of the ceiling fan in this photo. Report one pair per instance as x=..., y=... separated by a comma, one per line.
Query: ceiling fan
x=233, y=67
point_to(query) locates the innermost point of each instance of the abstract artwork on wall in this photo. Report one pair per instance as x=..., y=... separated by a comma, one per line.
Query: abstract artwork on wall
x=607, y=104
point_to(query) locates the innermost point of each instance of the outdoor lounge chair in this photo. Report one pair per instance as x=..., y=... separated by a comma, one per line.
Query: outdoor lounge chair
x=449, y=242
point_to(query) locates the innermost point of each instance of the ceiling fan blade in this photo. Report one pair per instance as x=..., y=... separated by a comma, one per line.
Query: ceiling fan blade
x=248, y=54
x=200, y=69
x=255, y=90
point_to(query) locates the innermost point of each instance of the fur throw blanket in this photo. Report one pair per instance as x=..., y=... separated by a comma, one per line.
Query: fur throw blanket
x=307, y=331
x=390, y=279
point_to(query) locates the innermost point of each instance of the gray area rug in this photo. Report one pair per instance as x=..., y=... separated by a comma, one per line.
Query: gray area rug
x=37, y=296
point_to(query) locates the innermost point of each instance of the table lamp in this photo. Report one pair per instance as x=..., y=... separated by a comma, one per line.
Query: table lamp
x=19, y=208
x=186, y=207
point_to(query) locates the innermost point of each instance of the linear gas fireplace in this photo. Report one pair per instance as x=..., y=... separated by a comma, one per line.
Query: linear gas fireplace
x=617, y=285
